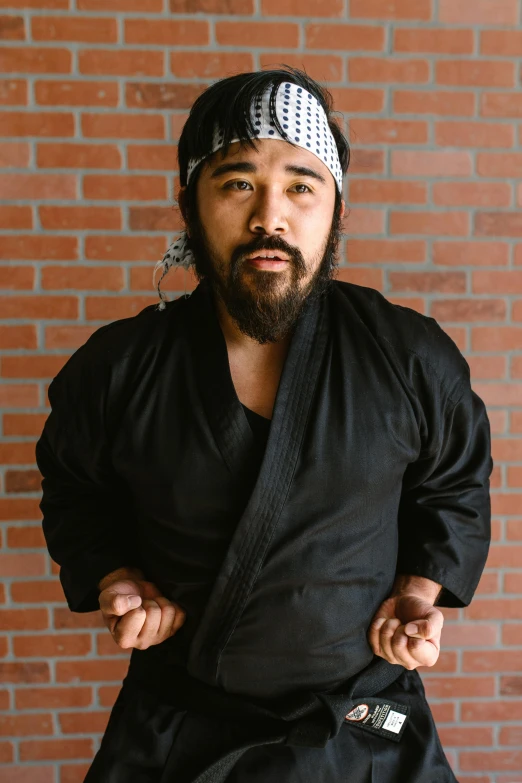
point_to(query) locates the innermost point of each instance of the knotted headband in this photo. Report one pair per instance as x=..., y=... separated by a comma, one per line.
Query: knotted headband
x=304, y=122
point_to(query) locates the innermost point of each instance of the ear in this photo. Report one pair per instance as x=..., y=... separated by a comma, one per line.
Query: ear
x=343, y=205
x=182, y=204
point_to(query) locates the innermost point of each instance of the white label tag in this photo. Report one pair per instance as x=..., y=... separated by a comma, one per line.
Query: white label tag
x=394, y=721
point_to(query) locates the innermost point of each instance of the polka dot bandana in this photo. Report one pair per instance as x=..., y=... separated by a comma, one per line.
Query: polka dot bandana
x=303, y=121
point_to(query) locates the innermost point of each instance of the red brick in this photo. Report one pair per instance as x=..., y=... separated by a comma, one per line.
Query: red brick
x=126, y=187
x=381, y=191
x=37, y=592
x=511, y=686
x=75, y=773
x=469, y=635
x=382, y=69
x=474, y=134
x=58, y=749
x=497, y=282
x=27, y=536
x=507, y=43
x=51, y=646
x=50, y=698
x=99, y=156
x=16, y=278
x=322, y=67
x=23, y=619
x=414, y=303
x=514, y=474
x=385, y=251
x=154, y=219
x=488, y=367
x=372, y=278
x=38, y=186
x=6, y=752
x=121, y=63
x=107, y=695
x=419, y=10
x=466, y=735
x=501, y=503
x=86, y=722
x=209, y=65
x=88, y=671
x=517, y=311
x=437, y=41
x=15, y=217
x=501, y=104
x=96, y=309
x=66, y=336
x=479, y=194
x=491, y=661
x=22, y=480
x=510, y=735
x=105, y=645
x=468, y=310
x=494, y=609
x=505, y=555
x=32, y=366
x=176, y=280
x=66, y=28
x=83, y=278
x=456, y=687
x=346, y=37
x=13, y=92
x=437, y=163
x=167, y=32
x=64, y=618
x=18, y=564
x=34, y=4
x=15, y=247
x=514, y=526
x=76, y=93
x=347, y=99
x=14, y=155
x=12, y=28
x=496, y=760
x=34, y=60
x=365, y=161
x=299, y=8
x=365, y=221
x=66, y=218
x=36, y=124
x=475, y=73
x=489, y=711
x=518, y=255
x=55, y=307
x=133, y=126
x=452, y=282
x=18, y=672
x=160, y=157
x=123, y=248
x=388, y=131
x=499, y=164
x=23, y=725
x=443, y=712
x=486, y=12
x=147, y=95
x=5, y=700
x=434, y=102
x=430, y=223
x=504, y=224
x=265, y=34
x=149, y=6
x=513, y=584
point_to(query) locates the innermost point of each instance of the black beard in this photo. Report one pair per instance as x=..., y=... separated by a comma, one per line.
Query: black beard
x=259, y=309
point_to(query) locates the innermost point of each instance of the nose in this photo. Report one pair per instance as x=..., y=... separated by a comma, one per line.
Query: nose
x=267, y=215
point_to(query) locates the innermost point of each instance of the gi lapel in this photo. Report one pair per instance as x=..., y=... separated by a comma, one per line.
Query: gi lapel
x=255, y=529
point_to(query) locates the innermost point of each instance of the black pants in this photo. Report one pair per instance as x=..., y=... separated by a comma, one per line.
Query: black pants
x=143, y=734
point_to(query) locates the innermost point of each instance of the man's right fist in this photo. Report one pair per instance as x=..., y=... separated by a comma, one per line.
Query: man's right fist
x=137, y=615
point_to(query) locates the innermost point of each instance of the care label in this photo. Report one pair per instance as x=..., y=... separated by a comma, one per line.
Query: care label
x=380, y=716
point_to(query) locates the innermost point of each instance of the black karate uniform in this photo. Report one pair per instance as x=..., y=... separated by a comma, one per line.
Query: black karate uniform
x=377, y=461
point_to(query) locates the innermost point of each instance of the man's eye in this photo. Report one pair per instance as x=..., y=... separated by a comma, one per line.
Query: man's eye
x=244, y=182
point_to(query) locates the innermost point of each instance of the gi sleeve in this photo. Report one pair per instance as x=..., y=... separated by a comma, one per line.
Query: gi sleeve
x=445, y=510
x=85, y=508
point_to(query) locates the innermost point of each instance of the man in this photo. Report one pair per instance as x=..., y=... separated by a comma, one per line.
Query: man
x=268, y=485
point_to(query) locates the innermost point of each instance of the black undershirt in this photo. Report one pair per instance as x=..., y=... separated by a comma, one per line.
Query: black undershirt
x=259, y=426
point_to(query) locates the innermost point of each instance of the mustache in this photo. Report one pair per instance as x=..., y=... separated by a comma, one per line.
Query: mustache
x=271, y=244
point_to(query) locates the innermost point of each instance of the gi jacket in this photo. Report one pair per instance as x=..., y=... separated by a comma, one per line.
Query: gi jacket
x=377, y=462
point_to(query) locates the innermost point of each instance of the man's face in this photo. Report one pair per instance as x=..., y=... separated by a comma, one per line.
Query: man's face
x=276, y=200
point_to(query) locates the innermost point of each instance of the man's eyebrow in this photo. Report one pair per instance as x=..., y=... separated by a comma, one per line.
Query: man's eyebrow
x=250, y=168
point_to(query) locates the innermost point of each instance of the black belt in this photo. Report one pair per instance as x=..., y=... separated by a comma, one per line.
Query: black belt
x=304, y=719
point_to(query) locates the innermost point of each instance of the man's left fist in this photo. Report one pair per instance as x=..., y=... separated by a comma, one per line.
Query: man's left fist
x=406, y=630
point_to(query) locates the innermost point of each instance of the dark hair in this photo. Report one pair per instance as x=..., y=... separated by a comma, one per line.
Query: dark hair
x=228, y=103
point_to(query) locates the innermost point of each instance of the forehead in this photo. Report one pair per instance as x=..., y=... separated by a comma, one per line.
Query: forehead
x=269, y=155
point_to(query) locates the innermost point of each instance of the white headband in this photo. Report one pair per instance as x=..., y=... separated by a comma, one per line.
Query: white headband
x=304, y=122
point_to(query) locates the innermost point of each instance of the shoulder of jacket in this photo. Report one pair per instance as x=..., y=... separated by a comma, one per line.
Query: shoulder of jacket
x=408, y=333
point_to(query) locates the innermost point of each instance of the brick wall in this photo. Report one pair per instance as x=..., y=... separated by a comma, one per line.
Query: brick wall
x=93, y=94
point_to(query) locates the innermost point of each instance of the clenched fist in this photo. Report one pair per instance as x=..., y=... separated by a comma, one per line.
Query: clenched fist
x=136, y=613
